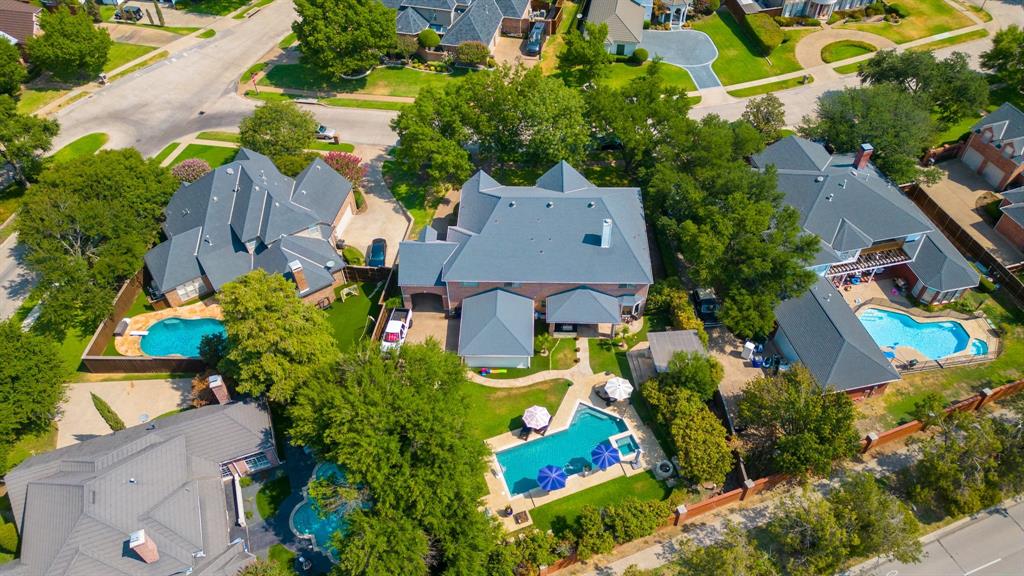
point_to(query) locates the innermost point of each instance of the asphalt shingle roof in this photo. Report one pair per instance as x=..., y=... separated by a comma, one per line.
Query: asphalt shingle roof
x=583, y=306
x=830, y=340
x=479, y=23
x=665, y=345
x=940, y=266
x=1007, y=122
x=512, y=8
x=625, y=19
x=409, y=21
x=496, y=323
x=422, y=262
x=17, y=19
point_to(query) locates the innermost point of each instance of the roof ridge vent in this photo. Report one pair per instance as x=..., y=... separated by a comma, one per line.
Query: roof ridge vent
x=819, y=178
x=230, y=171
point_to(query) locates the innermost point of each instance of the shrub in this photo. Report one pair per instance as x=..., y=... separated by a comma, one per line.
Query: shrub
x=406, y=46
x=429, y=39
x=472, y=53
x=245, y=481
x=353, y=256
x=992, y=210
x=190, y=170
x=668, y=297
x=986, y=286
x=633, y=518
x=714, y=4
x=897, y=9
x=348, y=165
x=647, y=24
x=639, y=56
x=591, y=535
x=874, y=9
x=107, y=413
x=292, y=164
x=766, y=32
x=8, y=537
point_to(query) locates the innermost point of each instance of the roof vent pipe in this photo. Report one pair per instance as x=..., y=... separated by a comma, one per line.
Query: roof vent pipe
x=606, y=233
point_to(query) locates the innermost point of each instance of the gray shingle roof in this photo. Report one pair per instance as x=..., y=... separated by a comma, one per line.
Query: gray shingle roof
x=665, y=345
x=583, y=306
x=512, y=8
x=248, y=200
x=17, y=19
x=432, y=4
x=794, y=153
x=75, y=506
x=831, y=341
x=625, y=19
x=940, y=266
x=496, y=323
x=1014, y=212
x=422, y=262
x=1007, y=122
x=479, y=23
x=1014, y=196
x=409, y=21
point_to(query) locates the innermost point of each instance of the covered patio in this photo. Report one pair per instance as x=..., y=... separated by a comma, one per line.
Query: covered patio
x=583, y=312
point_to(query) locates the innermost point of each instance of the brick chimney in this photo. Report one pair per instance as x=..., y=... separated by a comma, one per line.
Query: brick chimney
x=143, y=546
x=299, y=275
x=860, y=161
x=220, y=391
x=606, y=233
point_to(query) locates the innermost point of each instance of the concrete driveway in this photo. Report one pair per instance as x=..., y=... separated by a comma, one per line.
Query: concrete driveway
x=15, y=280
x=384, y=217
x=508, y=50
x=691, y=50
x=428, y=321
x=135, y=401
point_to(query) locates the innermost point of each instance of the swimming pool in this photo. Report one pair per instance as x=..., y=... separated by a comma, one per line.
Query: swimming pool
x=179, y=336
x=569, y=448
x=935, y=339
x=307, y=522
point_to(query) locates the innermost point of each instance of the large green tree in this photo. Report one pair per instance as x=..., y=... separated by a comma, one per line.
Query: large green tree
x=23, y=139
x=767, y=115
x=278, y=130
x=381, y=544
x=262, y=567
x=812, y=537
x=954, y=90
x=12, y=71
x=71, y=46
x=343, y=37
x=729, y=221
x=882, y=524
x=733, y=555
x=897, y=123
x=32, y=378
x=1006, y=57
x=397, y=423
x=277, y=344
x=693, y=371
x=584, y=58
x=87, y=224
x=795, y=424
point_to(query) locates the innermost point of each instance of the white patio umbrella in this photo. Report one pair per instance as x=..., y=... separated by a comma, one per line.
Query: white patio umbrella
x=618, y=388
x=536, y=417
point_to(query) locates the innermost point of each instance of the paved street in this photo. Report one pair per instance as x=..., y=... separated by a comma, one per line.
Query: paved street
x=15, y=280
x=992, y=545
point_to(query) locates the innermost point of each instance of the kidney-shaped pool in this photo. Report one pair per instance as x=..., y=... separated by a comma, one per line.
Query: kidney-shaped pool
x=179, y=336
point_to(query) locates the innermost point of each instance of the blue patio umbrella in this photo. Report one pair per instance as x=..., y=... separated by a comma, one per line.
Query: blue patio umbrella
x=551, y=478
x=604, y=455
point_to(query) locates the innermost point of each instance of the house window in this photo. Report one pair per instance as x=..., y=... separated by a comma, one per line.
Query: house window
x=513, y=284
x=257, y=462
x=627, y=286
x=190, y=289
x=470, y=284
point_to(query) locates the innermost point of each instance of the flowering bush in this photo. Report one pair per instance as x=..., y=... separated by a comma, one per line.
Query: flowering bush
x=190, y=170
x=348, y=165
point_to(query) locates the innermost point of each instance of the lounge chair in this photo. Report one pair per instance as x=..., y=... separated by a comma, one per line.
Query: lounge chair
x=524, y=433
x=608, y=400
x=542, y=431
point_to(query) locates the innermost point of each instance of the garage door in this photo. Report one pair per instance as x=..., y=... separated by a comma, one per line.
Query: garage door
x=993, y=175
x=343, y=223
x=972, y=158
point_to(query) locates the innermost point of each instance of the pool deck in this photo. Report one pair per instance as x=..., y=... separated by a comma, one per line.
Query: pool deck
x=583, y=390
x=132, y=345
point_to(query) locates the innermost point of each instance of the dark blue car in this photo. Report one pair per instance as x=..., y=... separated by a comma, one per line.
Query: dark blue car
x=378, y=252
x=535, y=41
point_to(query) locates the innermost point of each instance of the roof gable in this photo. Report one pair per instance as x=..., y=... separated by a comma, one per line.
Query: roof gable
x=479, y=23
x=496, y=323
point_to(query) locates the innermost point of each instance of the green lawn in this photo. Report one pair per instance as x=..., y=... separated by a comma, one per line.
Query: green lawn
x=163, y=154
x=208, y=33
x=271, y=494
x=738, y=60
x=214, y=7
x=332, y=147
x=844, y=49
x=252, y=71
x=85, y=146
x=848, y=68
x=283, y=556
x=770, y=87
x=287, y=41
x=927, y=18
x=368, y=104
x=215, y=155
x=382, y=81
x=122, y=53
x=494, y=411
x=561, y=514
x=553, y=45
x=959, y=129
x=607, y=358
x=350, y=319
x=951, y=41
x=140, y=65
x=31, y=445
x=218, y=136
x=623, y=73
x=411, y=192
x=561, y=357
x=10, y=201
x=32, y=99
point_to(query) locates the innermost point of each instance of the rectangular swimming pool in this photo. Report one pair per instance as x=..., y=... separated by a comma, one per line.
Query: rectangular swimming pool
x=569, y=448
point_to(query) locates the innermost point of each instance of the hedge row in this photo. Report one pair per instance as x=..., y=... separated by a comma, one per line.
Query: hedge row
x=766, y=33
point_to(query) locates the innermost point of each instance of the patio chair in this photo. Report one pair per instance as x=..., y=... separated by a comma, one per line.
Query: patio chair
x=524, y=433
x=608, y=400
x=542, y=431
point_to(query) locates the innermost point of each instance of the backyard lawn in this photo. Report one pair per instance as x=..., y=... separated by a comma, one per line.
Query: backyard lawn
x=494, y=411
x=737, y=56
x=85, y=146
x=214, y=155
x=927, y=18
x=844, y=49
x=553, y=45
x=561, y=514
x=122, y=53
x=350, y=319
x=605, y=357
x=31, y=445
x=271, y=495
x=382, y=81
x=561, y=357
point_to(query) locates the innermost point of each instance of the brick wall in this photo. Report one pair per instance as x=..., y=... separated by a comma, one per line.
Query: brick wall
x=537, y=292
x=993, y=155
x=1011, y=231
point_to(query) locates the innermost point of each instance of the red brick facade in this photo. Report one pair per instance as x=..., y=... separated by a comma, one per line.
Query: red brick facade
x=922, y=292
x=453, y=295
x=995, y=156
x=1011, y=231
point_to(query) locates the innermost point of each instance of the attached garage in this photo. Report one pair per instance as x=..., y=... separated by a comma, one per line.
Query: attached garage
x=346, y=217
x=972, y=158
x=496, y=330
x=993, y=175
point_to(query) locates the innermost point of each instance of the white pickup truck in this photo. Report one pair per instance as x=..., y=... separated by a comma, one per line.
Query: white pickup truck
x=396, y=330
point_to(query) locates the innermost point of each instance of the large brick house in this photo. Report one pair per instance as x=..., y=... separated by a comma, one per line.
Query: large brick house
x=1011, y=221
x=457, y=21
x=564, y=250
x=995, y=147
x=247, y=215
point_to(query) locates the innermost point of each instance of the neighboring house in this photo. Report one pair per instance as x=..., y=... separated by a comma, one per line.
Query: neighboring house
x=866, y=227
x=673, y=11
x=19, y=21
x=995, y=148
x=563, y=250
x=665, y=345
x=247, y=215
x=152, y=500
x=820, y=9
x=457, y=21
x=1011, y=222
x=625, y=20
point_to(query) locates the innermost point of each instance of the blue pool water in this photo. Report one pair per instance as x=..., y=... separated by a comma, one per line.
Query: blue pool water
x=569, y=449
x=307, y=522
x=935, y=340
x=627, y=445
x=179, y=336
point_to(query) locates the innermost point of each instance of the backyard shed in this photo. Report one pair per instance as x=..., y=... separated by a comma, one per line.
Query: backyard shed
x=665, y=345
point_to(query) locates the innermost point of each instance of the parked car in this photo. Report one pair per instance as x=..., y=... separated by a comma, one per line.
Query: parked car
x=325, y=133
x=378, y=253
x=396, y=330
x=535, y=41
x=707, y=306
x=128, y=14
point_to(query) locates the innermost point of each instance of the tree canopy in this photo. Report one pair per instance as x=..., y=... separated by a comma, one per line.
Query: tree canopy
x=277, y=344
x=262, y=567
x=735, y=554
x=343, y=37
x=693, y=371
x=767, y=115
x=278, y=129
x=897, y=123
x=23, y=138
x=584, y=58
x=795, y=425
x=86, y=226
x=31, y=384
x=12, y=71
x=71, y=46
x=1006, y=57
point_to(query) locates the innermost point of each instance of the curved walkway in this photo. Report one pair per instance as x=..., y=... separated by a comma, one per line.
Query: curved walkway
x=808, y=50
x=577, y=373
